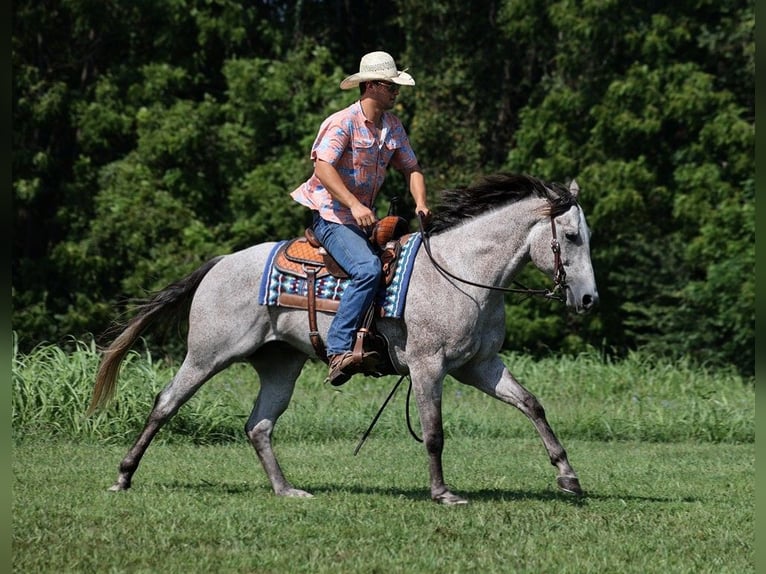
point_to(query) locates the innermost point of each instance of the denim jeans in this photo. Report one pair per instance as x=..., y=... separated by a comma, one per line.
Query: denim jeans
x=352, y=250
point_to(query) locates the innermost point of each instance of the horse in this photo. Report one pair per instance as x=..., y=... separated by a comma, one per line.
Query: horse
x=479, y=238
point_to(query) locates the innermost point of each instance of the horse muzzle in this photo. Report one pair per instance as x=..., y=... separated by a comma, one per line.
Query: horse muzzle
x=584, y=303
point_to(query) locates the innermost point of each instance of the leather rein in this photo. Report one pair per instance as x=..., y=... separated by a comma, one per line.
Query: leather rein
x=558, y=292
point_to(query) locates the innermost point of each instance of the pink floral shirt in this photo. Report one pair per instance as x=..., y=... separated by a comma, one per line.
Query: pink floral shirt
x=361, y=154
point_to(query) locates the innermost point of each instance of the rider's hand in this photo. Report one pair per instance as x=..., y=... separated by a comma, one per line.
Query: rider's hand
x=363, y=215
x=422, y=210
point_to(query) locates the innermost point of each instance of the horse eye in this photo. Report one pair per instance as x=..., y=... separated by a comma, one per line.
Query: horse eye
x=572, y=235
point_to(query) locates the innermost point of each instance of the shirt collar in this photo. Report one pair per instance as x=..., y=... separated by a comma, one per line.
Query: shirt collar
x=362, y=119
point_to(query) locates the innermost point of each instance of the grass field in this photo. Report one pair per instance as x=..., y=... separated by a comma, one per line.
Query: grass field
x=648, y=508
x=665, y=453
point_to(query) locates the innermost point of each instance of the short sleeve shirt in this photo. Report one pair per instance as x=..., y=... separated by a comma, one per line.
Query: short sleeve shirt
x=361, y=154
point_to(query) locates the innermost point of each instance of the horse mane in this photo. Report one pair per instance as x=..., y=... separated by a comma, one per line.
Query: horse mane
x=494, y=191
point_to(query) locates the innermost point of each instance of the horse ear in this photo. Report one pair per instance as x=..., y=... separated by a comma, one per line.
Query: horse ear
x=574, y=189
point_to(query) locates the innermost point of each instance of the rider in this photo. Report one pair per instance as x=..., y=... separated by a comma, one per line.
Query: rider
x=351, y=153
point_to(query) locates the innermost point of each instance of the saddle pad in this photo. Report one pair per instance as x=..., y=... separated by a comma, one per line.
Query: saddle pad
x=391, y=300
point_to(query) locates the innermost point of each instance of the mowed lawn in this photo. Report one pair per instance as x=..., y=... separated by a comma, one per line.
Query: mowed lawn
x=649, y=507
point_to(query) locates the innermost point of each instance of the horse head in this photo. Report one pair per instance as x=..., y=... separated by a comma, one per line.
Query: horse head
x=560, y=247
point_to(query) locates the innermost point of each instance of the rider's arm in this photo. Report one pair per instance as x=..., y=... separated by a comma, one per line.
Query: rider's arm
x=417, y=185
x=333, y=183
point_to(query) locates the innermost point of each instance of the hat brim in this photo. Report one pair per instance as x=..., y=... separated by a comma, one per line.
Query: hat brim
x=402, y=78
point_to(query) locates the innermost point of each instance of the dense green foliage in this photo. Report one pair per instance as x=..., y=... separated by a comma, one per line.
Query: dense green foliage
x=585, y=397
x=149, y=136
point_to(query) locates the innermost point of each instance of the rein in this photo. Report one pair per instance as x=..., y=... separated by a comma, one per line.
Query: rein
x=557, y=293
x=380, y=411
x=559, y=275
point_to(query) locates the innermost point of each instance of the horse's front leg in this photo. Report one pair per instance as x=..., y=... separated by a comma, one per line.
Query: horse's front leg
x=428, y=394
x=493, y=378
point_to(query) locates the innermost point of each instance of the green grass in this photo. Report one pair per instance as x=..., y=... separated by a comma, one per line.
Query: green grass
x=665, y=452
x=649, y=508
x=634, y=399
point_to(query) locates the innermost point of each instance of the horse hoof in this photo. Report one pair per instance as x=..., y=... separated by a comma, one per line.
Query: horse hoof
x=296, y=493
x=118, y=487
x=570, y=485
x=449, y=499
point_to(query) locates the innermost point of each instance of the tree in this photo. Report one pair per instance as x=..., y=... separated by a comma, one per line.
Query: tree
x=150, y=136
x=664, y=149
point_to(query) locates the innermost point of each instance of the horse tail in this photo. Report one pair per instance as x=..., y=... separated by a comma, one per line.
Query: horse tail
x=166, y=304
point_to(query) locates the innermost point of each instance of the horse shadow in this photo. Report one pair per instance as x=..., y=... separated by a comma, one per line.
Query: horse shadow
x=420, y=494
x=503, y=495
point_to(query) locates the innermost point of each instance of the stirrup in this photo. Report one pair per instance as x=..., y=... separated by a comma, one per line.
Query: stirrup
x=344, y=366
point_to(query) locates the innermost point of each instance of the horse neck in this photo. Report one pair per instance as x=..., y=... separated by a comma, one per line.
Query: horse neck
x=491, y=248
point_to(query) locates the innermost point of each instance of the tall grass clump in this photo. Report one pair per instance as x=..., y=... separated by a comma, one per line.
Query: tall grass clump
x=638, y=398
x=586, y=397
x=52, y=389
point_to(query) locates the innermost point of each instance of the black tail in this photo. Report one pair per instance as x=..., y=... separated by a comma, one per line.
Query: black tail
x=171, y=302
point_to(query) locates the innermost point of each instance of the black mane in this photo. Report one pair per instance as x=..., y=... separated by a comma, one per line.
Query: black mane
x=493, y=191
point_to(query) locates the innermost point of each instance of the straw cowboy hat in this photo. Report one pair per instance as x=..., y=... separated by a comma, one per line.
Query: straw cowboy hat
x=377, y=66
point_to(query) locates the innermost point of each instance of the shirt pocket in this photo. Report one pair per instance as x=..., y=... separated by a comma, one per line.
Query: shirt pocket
x=365, y=152
x=364, y=143
x=390, y=147
x=393, y=143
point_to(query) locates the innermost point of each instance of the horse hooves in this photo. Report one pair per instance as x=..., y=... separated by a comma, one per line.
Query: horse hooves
x=449, y=499
x=119, y=487
x=570, y=485
x=295, y=493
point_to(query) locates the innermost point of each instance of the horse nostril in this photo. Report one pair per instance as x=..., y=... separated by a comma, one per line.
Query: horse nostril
x=589, y=301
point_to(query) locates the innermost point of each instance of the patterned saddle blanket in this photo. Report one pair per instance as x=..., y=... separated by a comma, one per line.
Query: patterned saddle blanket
x=284, y=282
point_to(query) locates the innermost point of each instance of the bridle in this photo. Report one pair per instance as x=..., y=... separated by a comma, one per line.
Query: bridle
x=558, y=292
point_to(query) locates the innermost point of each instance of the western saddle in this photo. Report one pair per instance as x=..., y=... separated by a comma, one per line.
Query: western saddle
x=306, y=258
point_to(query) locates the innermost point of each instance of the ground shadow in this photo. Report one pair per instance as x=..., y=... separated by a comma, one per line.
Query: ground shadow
x=473, y=495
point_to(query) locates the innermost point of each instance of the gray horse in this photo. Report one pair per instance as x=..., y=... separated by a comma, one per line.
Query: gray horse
x=484, y=233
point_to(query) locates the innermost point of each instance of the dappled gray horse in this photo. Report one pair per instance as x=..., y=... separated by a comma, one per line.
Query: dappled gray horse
x=484, y=233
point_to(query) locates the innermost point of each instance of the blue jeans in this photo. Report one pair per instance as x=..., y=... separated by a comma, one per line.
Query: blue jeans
x=352, y=250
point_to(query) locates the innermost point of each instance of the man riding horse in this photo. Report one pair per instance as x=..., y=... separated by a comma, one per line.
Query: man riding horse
x=351, y=154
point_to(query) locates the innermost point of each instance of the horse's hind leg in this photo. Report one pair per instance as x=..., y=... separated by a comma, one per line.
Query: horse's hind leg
x=278, y=367
x=493, y=378
x=185, y=383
